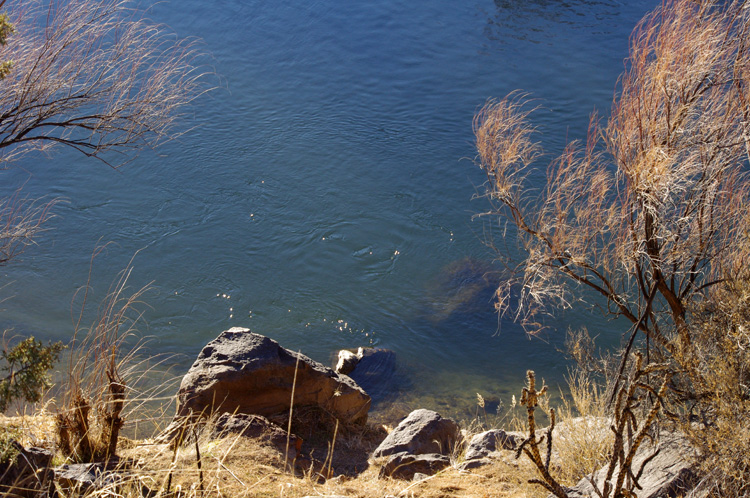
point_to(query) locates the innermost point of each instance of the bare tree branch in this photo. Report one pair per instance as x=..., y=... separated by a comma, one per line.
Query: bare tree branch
x=654, y=199
x=97, y=76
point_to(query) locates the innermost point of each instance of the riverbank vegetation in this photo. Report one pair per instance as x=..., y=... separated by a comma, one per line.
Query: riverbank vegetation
x=646, y=219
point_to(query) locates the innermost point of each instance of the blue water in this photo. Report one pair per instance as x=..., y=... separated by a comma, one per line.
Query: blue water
x=321, y=195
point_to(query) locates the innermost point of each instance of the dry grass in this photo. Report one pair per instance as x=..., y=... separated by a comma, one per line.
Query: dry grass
x=240, y=467
x=234, y=466
x=583, y=442
x=31, y=430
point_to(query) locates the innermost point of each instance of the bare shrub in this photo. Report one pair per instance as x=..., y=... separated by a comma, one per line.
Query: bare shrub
x=718, y=372
x=21, y=220
x=96, y=76
x=646, y=213
x=647, y=217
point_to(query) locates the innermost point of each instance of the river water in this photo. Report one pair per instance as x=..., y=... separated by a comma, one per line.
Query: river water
x=323, y=193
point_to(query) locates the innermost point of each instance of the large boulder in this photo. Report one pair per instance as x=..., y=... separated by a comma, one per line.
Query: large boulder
x=243, y=372
x=422, y=432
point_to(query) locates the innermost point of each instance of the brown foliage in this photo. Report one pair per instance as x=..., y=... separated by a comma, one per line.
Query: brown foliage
x=646, y=213
x=649, y=214
x=101, y=367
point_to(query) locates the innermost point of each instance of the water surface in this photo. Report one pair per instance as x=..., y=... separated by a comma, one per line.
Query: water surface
x=323, y=193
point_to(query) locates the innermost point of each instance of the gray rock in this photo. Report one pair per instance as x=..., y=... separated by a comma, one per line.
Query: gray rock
x=422, y=432
x=484, y=443
x=474, y=464
x=404, y=465
x=243, y=372
x=82, y=478
x=256, y=427
x=27, y=473
x=671, y=473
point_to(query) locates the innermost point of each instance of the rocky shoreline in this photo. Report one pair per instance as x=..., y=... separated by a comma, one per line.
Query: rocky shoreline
x=246, y=385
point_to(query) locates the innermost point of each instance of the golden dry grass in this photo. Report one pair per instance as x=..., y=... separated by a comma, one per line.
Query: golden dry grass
x=234, y=466
x=240, y=467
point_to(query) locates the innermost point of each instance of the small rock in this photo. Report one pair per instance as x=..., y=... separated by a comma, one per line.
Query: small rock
x=81, y=478
x=347, y=361
x=487, y=442
x=404, y=465
x=422, y=432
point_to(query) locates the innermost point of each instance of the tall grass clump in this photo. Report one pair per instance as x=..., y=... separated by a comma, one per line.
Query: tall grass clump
x=101, y=365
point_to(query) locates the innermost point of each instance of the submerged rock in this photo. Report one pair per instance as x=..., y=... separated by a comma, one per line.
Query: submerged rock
x=464, y=286
x=244, y=372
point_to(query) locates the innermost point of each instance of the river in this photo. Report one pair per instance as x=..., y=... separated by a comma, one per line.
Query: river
x=322, y=193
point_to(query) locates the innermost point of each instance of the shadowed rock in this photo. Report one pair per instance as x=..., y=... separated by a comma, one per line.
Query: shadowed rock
x=26, y=473
x=256, y=427
x=404, y=465
x=375, y=372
